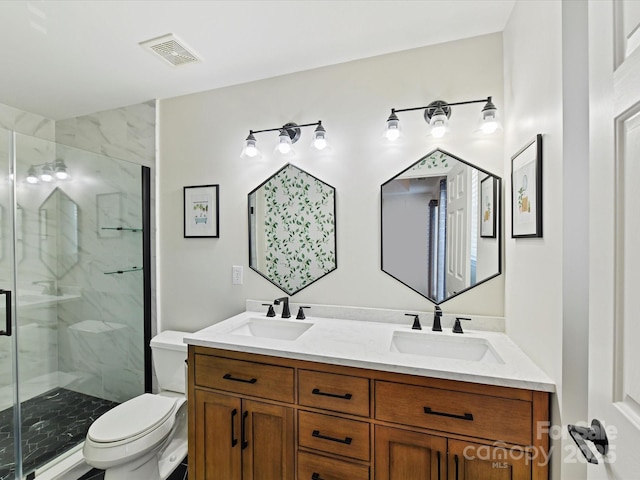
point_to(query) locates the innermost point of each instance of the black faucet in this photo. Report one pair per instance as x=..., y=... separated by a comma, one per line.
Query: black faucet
x=285, y=306
x=437, y=313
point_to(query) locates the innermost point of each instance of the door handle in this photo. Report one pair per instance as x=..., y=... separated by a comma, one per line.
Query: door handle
x=243, y=434
x=596, y=434
x=7, y=328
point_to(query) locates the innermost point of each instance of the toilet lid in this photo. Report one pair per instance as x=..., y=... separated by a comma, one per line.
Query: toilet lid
x=132, y=418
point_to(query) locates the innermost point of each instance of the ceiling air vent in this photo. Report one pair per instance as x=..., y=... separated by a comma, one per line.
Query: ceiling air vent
x=171, y=49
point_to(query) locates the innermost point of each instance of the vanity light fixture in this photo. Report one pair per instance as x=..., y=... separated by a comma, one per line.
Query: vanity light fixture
x=289, y=134
x=48, y=171
x=437, y=115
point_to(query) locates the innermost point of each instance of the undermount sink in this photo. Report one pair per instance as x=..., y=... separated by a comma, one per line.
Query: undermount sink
x=436, y=345
x=270, y=328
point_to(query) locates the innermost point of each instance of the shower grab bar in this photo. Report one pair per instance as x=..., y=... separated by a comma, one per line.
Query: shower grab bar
x=7, y=328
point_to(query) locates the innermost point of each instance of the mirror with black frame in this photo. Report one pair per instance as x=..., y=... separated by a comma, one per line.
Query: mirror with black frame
x=58, y=217
x=440, y=226
x=292, y=230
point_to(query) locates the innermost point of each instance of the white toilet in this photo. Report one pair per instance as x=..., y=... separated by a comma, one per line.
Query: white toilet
x=145, y=438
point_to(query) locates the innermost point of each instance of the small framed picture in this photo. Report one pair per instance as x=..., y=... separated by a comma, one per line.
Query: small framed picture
x=488, y=207
x=526, y=190
x=201, y=211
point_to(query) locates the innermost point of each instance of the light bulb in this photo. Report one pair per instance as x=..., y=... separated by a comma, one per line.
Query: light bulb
x=438, y=129
x=61, y=170
x=438, y=123
x=393, y=127
x=489, y=126
x=250, y=149
x=284, y=145
x=489, y=121
x=62, y=175
x=46, y=175
x=319, y=137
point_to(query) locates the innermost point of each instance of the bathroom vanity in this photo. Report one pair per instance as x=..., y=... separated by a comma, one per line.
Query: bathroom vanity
x=328, y=399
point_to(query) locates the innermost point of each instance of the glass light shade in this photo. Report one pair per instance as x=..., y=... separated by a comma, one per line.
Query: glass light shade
x=250, y=149
x=489, y=123
x=47, y=174
x=320, y=138
x=31, y=176
x=393, y=127
x=284, y=143
x=438, y=123
x=61, y=170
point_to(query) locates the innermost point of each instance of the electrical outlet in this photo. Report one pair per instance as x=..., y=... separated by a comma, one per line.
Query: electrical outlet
x=236, y=275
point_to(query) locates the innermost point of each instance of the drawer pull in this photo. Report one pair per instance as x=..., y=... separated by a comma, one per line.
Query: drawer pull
x=347, y=440
x=466, y=416
x=316, y=476
x=346, y=396
x=234, y=440
x=227, y=376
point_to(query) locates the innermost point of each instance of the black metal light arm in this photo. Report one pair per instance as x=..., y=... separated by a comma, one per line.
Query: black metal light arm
x=287, y=127
x=397, y=110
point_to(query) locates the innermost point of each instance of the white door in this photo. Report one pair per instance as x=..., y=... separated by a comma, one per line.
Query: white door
x=458, y=235
x=614, y=285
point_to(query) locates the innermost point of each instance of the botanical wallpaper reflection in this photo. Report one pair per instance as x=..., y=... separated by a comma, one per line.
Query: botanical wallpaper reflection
x=299, y=221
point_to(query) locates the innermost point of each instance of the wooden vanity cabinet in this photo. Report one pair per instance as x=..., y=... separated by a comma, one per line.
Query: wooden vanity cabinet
x=257, y=417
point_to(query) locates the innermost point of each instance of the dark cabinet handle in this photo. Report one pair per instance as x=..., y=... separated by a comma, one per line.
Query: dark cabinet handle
x=455, y=460
x=346, y=441
x=234, y=440
x=227, y=376
x=595, y=434
x=346, y=396
x=7, y=328
x=466, y=416
x=243, y=433
x=438, y=465
x=316, y=476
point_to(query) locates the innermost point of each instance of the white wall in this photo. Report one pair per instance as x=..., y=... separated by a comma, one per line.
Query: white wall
x=547, y=279
x=201, y=137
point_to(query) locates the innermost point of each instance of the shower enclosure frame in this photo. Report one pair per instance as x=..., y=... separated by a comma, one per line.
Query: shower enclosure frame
x=13, y=314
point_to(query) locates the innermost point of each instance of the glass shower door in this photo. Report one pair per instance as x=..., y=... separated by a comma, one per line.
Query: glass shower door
x=10, y=451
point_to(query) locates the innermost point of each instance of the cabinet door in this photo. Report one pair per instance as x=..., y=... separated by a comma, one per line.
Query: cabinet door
x=402, y=455
x=217, y=437
x=472, y=461
x=267, y=441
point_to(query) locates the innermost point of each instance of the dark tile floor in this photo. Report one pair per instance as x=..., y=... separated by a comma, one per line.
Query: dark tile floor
x=180, y=473
x=52, y=423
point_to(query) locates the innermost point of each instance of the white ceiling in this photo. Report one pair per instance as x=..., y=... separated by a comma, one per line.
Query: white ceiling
x=67, y=58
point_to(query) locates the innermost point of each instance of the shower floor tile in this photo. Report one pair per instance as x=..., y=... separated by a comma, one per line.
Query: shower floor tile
x=52, y=423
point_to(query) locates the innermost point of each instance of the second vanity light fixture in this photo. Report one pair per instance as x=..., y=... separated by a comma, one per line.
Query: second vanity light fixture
x=437, y=114
x=48, y=171
x=289, y=134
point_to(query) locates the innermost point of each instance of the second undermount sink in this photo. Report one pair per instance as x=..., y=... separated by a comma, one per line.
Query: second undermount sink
x=444, y=346
x=271, y=328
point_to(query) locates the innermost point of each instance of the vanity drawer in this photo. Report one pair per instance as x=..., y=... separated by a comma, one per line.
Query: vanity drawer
x=481, y=416
x=348, y=438
x=247, y=378
x=311, y=467
x=342, y=393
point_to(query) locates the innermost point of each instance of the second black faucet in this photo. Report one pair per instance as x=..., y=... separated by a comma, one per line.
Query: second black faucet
x=285, y=306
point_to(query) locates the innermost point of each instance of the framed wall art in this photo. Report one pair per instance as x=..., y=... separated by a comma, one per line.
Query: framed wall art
x=201, y=211
x=488, y=207
x=526, y=190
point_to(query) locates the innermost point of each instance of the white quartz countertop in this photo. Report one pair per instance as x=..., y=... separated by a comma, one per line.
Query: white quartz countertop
x=367, y=344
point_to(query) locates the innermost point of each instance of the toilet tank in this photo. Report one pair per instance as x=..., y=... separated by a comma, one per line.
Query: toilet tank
x=169, y=354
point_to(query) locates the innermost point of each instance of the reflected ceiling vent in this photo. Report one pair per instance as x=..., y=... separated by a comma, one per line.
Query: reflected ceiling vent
x=171, y=49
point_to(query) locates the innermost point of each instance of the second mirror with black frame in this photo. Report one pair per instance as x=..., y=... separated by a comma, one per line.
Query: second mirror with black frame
x=440, y=226
x=292, y=229
x=59, y=249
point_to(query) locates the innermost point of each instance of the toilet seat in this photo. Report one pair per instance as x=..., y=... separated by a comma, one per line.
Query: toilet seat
x=132, y=419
